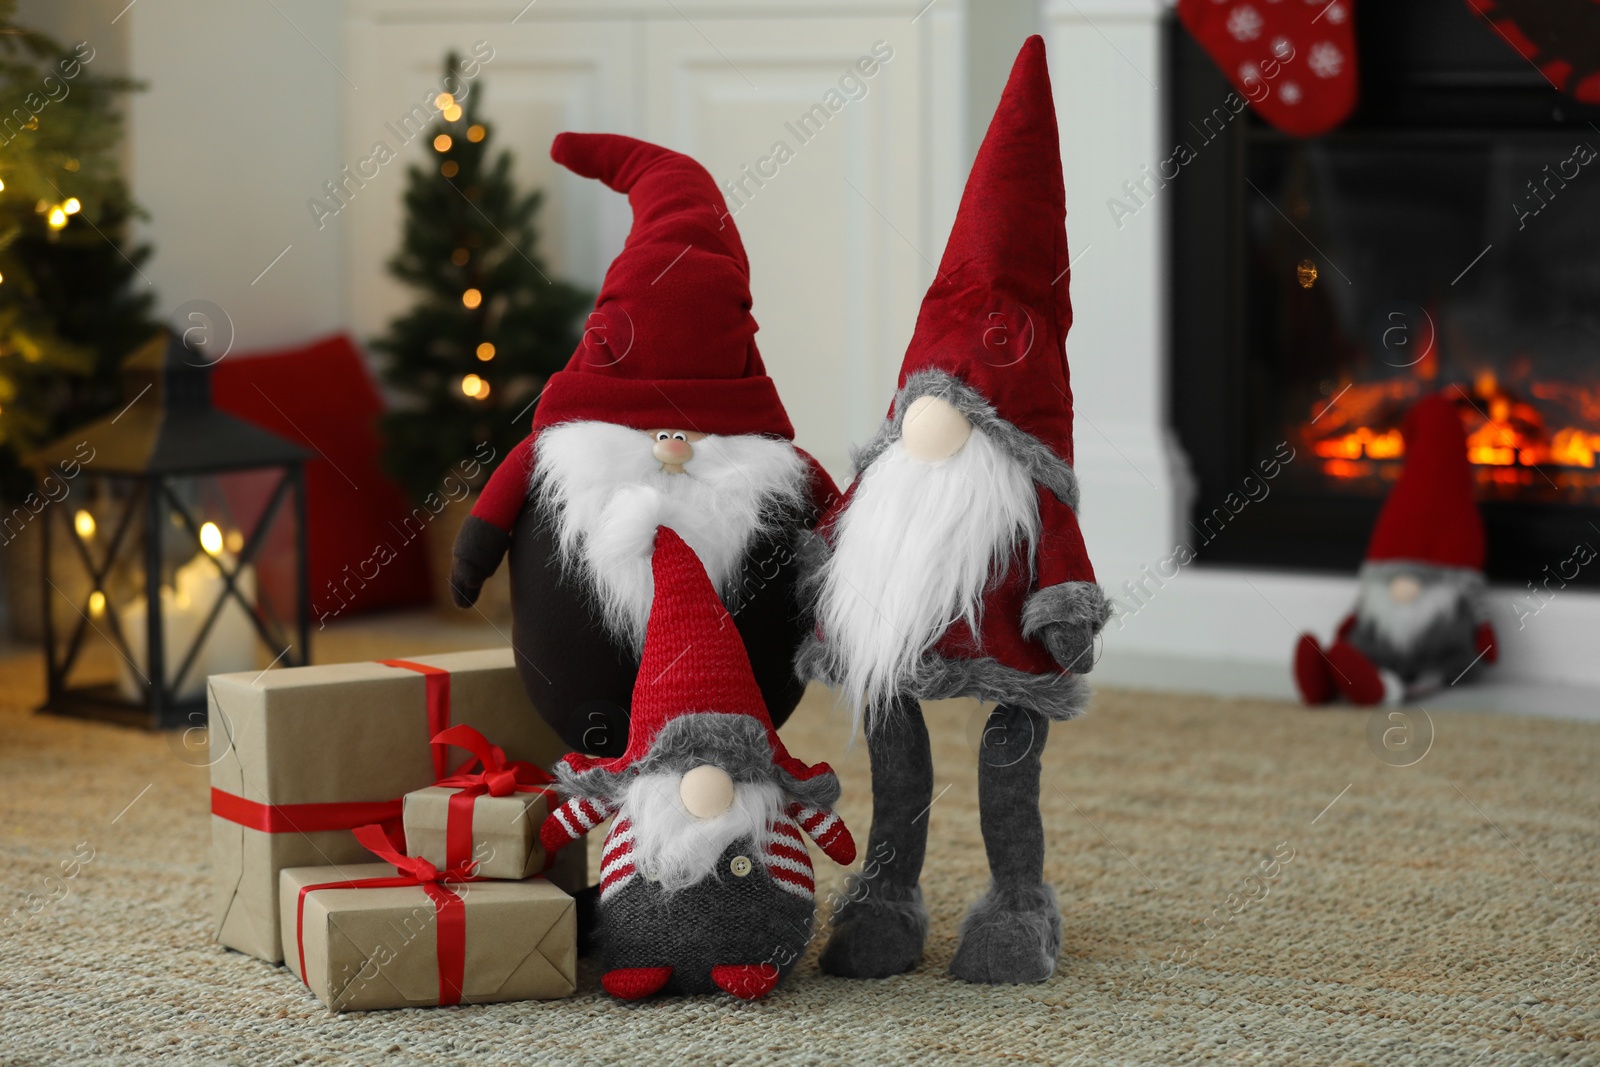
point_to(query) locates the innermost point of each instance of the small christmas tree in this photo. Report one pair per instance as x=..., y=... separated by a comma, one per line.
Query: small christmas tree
x=469, y=360
x=72, y=300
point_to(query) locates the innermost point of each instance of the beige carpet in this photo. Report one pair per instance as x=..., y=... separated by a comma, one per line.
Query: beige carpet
x=1443, y=913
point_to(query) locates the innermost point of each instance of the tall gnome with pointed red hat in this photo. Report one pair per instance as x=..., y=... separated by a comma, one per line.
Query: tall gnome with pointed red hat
x=705, y=882
x=1420, y=620
x=664, y=415
x=957, y=567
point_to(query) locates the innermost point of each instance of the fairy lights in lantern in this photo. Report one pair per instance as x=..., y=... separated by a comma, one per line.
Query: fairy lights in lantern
x=442, y=143
x=476, y=132
x=485, y=352
x=83, y=523
x=471, y=298
x=211, y=539
x=475, y=387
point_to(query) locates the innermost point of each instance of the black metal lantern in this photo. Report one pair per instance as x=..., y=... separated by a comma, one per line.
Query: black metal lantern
x=169, y=553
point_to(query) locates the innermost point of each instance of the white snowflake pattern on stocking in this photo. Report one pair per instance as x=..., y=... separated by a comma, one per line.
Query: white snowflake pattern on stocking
x=1325, y=61
x=1290, y=92
x=1245, y=23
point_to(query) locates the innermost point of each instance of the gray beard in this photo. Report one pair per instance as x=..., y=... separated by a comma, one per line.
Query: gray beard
x=1433, y=632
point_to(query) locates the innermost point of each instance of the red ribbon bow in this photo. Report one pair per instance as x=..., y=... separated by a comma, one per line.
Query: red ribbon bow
x=499, y=777
x=450, y=909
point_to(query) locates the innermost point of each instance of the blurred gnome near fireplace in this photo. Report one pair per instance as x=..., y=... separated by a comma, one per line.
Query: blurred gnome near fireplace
x=1419, y=621
x=664, y=415
x=955, y=566
x=705, y=881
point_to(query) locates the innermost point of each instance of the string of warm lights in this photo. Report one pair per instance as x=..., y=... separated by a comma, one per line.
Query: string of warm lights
x=472, y=385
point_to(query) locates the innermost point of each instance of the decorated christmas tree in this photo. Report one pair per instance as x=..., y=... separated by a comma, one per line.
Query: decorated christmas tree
x=72, y=299
x=468, y=361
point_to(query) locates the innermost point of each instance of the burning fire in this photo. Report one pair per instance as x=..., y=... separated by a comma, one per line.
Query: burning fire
x=1503, y=430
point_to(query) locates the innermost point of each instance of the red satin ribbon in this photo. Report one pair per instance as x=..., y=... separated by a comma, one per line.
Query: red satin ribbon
x=499, y=777
x=312, y=818
x=301, y=818
x=437, y=680
x=449, y=908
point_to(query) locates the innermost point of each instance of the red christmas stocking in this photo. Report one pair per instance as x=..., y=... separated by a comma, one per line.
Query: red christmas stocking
x=1293, y=60
x=1560, y=37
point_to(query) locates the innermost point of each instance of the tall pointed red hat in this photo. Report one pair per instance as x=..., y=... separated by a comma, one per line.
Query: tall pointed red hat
x=694, y=661
x=997, y=314
x=671, y=341
x=1430, y=515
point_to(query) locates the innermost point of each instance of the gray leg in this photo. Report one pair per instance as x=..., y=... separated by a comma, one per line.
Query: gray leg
x=880, y=924
x=1013, y=934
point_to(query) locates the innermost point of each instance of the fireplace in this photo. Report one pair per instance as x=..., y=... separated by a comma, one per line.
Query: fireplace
x=1446, y=239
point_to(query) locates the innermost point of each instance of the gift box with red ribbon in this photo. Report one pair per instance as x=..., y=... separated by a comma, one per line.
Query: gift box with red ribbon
x=485, y=820
x=302, y=756
x=404, y=933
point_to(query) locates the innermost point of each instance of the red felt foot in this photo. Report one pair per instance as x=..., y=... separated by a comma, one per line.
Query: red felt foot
x=749, y=981
x=633, y=983
x=1312, y=674
x=1355, y=674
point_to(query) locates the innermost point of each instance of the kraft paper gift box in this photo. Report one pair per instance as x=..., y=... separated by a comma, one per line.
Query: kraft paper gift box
x=374, y=935
x=485, y=820
x=300, y=756
x=503, y=832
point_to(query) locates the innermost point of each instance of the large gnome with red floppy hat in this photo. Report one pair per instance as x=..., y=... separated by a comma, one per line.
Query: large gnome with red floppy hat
x=664, y=414
x=705, y=882
x=955, y=565
x=1420, y=620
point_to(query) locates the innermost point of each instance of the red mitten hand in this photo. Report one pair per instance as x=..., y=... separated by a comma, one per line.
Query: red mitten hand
x=1488, y=645
x=571, y=821
x=825, y=827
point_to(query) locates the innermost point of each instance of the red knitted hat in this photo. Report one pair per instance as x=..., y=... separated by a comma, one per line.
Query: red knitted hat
x=694, y=661
x=671, y=342
x=997, y=314
x=1430, y=516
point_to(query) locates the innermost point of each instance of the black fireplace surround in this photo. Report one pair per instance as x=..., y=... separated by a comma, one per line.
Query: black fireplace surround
x=1446, y=237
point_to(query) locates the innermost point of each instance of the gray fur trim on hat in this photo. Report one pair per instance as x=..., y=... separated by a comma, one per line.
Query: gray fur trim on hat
x=1041, y=463
x=736, y=743
x=1067, y=604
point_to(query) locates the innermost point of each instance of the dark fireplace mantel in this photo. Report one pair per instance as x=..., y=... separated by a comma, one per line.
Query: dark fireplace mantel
x=1447, y=238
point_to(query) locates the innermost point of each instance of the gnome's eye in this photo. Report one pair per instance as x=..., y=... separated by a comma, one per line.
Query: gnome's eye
x=680, y=436
x=663, y=435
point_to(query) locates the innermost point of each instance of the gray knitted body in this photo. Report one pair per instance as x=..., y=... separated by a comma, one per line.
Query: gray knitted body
x=722, y=920
x=1444, y=649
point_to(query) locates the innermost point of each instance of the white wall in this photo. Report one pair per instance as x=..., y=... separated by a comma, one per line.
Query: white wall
x=240, y=124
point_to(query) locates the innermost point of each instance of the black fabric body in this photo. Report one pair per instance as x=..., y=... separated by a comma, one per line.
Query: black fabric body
x=722, y=920
x=581, y=680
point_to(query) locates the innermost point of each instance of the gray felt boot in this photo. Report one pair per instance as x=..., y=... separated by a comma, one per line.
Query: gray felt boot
x=880, y=924
x=1014, y=933
x=878, y=931
x=1009, y=936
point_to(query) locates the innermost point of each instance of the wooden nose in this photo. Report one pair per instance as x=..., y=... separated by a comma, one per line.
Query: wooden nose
x=673, y=451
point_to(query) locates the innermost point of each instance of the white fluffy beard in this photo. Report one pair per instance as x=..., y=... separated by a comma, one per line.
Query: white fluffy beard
x=1403, y=625
x=606, y=494
x=679, y=849
x=914, y=552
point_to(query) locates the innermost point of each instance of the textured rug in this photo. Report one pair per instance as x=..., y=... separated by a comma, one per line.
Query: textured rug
x=1240, y=881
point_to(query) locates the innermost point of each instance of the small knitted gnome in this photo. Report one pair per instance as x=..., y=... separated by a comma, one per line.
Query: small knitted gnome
x=705, y=882
x=955, y=565
x=1419, y=621
x=664, y=415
